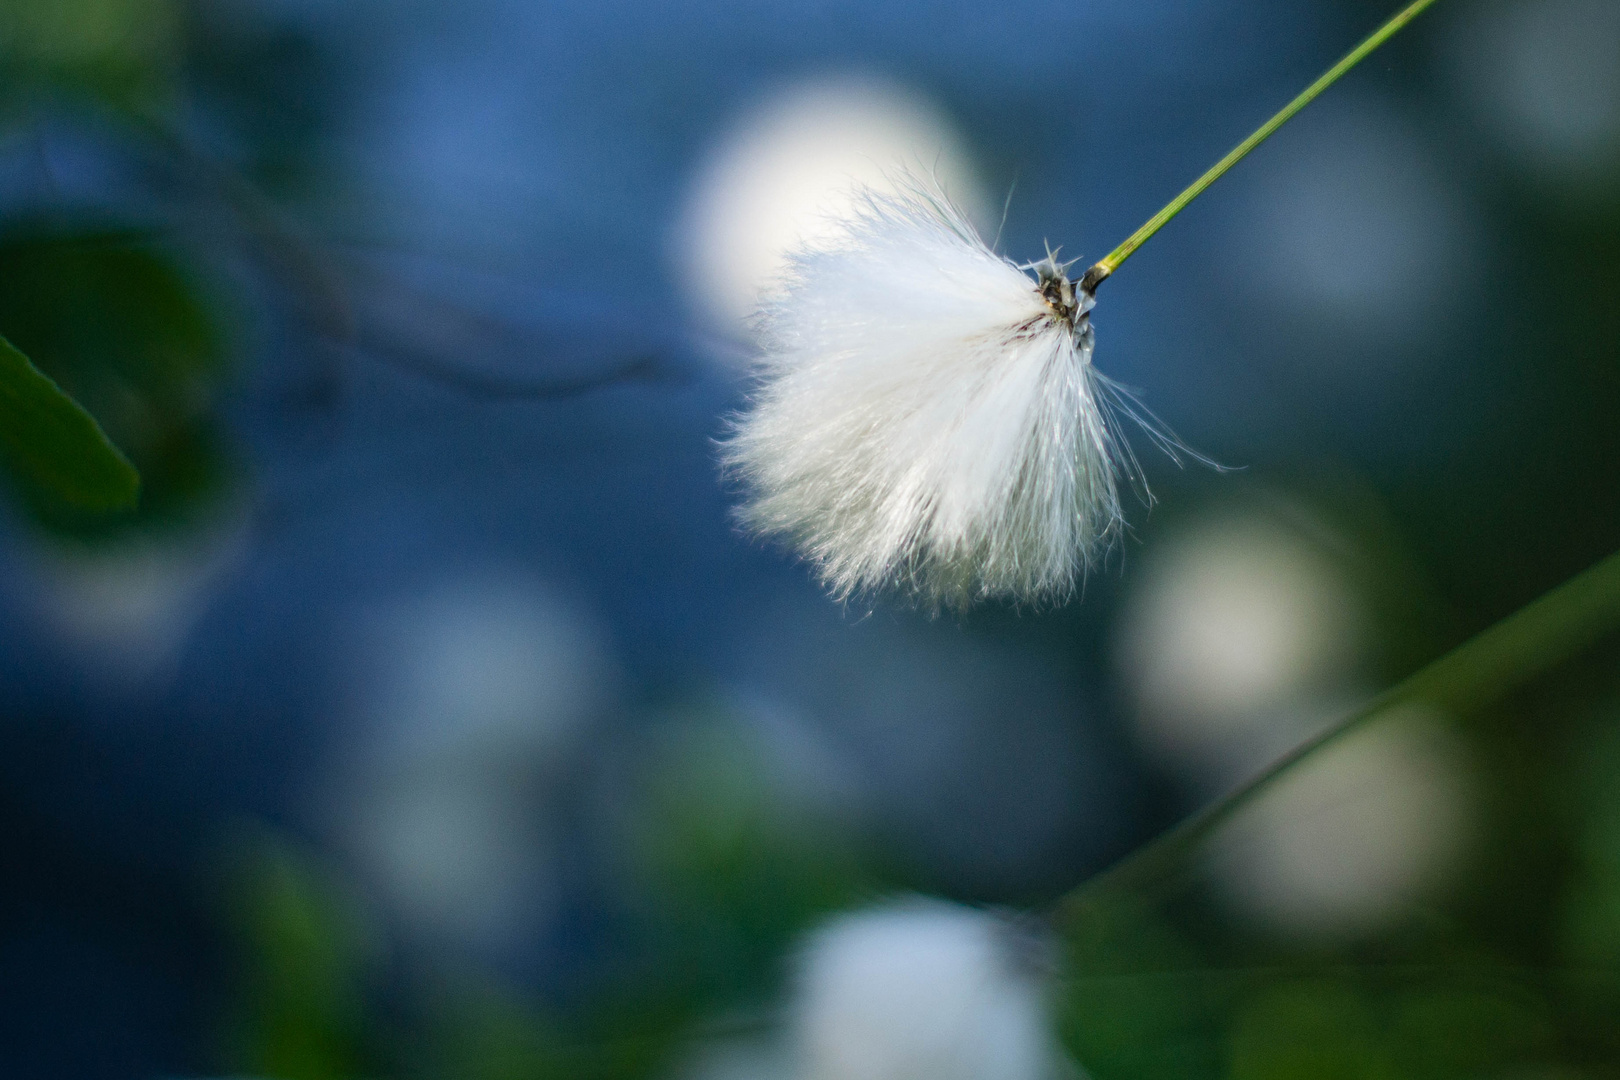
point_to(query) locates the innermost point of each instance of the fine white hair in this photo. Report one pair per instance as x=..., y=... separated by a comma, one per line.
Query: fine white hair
x=926, y=417
x=921, y=990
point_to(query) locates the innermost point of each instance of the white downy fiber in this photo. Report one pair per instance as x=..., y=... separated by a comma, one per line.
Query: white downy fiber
x=927, y=418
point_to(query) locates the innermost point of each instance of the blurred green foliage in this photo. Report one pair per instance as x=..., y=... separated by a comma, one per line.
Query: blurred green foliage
x=122, y=52
x=735, y=868
x=115, y=322
x=1592, y=913
x=119, y=322
x=482, y=1030
x=1150, y=994
x=1320, y=1029
x=1138, y=997
x=300, y=1010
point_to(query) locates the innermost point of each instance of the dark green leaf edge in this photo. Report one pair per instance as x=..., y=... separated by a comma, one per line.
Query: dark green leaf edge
x=52, y=447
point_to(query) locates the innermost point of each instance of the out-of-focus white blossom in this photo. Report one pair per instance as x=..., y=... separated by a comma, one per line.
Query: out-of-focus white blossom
x=1351, y=836
x=921, y=990
x=1237, y=637
x=469, y=695
x=738, y=1059
x=1544, y=77
x=130, y=607
x=790, y=169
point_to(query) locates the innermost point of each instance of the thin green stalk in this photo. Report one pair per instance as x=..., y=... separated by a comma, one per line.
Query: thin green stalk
x=1102, y=269
x=1497, y=660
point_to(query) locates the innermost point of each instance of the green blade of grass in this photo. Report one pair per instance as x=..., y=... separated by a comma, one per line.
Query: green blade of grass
x=1494, y=662
x=53, y=447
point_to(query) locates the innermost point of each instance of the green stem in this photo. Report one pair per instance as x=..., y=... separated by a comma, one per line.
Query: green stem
x=1112, y=261
x=1507, y=655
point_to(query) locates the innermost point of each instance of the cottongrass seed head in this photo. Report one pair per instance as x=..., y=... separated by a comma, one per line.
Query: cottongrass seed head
x=927, y=419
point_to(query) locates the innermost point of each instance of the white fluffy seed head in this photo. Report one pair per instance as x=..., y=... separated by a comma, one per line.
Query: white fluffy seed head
x=926, y=418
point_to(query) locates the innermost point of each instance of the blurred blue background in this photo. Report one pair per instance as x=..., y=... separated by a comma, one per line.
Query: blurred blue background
x=434, y=619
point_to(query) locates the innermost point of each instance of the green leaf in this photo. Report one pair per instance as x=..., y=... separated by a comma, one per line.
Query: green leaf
x=52, y=446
